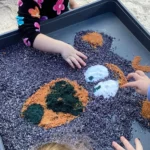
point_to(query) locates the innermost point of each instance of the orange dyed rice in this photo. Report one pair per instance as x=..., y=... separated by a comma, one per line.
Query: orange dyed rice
x=95, y=39
x=136, y=65
x=118, y=72
x=146, y=109
x=52, y=119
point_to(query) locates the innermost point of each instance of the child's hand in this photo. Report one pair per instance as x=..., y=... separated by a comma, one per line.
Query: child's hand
x=73, y=4
x=72, y=56
x=141, y=83
x=127, y=145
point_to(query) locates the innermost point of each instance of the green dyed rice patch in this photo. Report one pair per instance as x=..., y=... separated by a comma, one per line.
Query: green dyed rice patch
x=62, y=99
x=97, y=88
x=34, y=113
x=91, y=78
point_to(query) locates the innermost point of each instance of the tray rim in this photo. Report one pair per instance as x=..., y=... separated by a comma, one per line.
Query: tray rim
x=14, y=36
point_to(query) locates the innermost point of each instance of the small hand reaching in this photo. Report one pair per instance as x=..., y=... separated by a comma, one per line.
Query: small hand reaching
x=73, y=4
x=127, y=145
x=69, y=54
x=141, y=83
x=72, y=56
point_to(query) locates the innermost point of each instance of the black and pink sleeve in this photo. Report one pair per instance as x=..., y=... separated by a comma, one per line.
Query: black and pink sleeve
x=28, y=20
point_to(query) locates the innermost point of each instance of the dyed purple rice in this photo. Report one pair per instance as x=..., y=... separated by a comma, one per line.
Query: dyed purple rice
x=24, y=70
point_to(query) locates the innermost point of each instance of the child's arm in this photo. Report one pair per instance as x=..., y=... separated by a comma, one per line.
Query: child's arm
x=29, y=25
x=141, y=83
x=73, y=4
x=72, y=56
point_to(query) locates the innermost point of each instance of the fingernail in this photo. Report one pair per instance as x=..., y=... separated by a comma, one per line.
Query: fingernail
x=113, y=143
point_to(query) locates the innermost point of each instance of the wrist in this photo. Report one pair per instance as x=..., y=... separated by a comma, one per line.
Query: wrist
x=60, y=46
x=148, y=93
x=63, y=47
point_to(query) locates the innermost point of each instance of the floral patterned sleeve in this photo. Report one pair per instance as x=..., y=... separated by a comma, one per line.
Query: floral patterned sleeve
x=29, y=20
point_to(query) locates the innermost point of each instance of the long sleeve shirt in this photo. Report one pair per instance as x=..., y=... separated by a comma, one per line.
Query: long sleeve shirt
x=32, y=12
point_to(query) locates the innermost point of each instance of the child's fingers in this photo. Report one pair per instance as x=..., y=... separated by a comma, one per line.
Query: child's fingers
x=80, y=60
x=126, y=143
x=81, y=55
x=75, y=62
x=131, y=84
x=133, y=75
x=70, y=63
x=138, y=144
x=117, y=146
x=141, y=73
x=138, y=91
